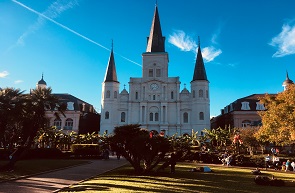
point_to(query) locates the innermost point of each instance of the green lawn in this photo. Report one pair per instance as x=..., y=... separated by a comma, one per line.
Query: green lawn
x=28, y=167
x=222, y=180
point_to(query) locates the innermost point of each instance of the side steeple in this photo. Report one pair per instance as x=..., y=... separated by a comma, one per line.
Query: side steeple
x=111, y=74
x=156, y=42
x=199, y=72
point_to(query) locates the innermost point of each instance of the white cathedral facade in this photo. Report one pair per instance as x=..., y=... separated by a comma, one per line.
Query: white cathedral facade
x=155, y=100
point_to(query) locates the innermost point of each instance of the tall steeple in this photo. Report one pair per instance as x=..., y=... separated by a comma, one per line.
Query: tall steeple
x=200, y=72
x=111, y=74
x=156, y=42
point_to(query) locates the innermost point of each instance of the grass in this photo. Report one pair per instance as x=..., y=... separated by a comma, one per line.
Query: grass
x=222, y=180
x=29, y=167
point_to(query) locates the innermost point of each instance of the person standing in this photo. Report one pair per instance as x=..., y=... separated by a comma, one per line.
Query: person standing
x=267, y=161
x=172, y=163
x=288, y=164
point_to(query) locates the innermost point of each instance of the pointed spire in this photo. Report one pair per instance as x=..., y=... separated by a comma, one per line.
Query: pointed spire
x=111, y=74
x=200, y=72
x=156, y=42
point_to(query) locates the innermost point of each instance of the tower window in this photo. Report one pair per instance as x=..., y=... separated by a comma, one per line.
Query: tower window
x=115, y=94
x=201, y=94
x=154, y=97
x=136, y=95
x=172, y=94
x=123, y=117
x=108, y=95
x=185, y=117
x=156, y=116
x=151, y=117
x=158, y=72
x=151, y=73
x=107, y=115
x=201, y=116
x=207, y=94
x=194, y=93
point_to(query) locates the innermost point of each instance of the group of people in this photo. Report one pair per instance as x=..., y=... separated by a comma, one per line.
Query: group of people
x=226, y=158
x=274, y=161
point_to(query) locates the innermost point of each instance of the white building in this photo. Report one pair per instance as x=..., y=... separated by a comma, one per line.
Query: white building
x=154, y=100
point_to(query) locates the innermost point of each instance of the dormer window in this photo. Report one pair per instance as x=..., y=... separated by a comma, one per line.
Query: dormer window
x=260, y=106
x=70, y=106
x=245, y=106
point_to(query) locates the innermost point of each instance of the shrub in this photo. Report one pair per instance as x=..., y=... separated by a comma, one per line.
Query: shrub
x=85, y=150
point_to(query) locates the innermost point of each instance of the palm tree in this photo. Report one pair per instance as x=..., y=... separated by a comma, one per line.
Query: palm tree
x=11, y=110
x=33, y=119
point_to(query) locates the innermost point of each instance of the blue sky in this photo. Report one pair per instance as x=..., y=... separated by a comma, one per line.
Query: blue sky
x=247, y=45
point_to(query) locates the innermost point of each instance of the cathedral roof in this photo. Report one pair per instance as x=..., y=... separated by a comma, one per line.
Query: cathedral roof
x=156, y=42
x=111, y=74
x=200, y=72
x=124, y=91
x=42, y=81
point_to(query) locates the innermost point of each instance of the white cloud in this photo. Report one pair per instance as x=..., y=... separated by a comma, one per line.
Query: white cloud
x=182, y=41
x=210, y=53
x=186, y=43
x=285, y=41
x=18, y=81
x=3, y=74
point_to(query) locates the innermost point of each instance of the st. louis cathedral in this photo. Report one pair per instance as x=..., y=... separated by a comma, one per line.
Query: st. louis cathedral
x=154, y=100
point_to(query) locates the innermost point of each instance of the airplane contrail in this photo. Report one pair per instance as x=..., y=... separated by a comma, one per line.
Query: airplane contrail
x=69, y=29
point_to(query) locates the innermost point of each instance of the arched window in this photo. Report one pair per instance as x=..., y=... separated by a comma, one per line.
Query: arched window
x=201, y=115
x=151, y=117
x=156, y=116
x=69, y=124
x=201, y=94
x=57, y=123
x=108, y=94
x=123, y=117
x=136, y=95
x=172, y=94
x=115, y=94
x=185, y=117
x=107, y=115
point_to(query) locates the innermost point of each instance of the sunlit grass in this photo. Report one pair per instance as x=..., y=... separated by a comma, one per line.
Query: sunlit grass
x=29, y=167
x=223, y=179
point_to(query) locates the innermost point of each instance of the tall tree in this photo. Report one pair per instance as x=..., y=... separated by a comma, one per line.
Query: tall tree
x=33, y=119
x=278, y=121
x=11, y=111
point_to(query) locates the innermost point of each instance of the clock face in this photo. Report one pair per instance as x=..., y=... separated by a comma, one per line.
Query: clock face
x=154, y=86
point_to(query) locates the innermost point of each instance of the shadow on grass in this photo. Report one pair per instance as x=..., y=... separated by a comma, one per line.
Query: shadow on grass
x=221, y=180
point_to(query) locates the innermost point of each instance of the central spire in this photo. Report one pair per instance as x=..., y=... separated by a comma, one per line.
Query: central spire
x=156, y=42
